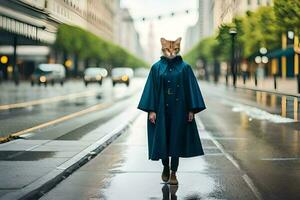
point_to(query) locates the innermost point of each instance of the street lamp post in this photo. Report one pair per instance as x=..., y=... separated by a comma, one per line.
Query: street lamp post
x=233, y=33
x=14, y=62
x=226, y=76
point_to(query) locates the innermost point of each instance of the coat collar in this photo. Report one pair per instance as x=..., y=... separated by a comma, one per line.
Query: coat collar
x=175, y=60
x=165, y=62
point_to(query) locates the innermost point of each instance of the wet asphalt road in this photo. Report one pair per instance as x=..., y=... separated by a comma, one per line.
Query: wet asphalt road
x=250, y=154
x=266, y=147
x=31, y=107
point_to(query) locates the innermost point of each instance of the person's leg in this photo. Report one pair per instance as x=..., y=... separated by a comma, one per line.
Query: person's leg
x=165, y=162
x=166, y=171
x=174, y=164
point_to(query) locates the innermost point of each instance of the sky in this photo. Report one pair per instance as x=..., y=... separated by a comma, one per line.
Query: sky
x=170, y=27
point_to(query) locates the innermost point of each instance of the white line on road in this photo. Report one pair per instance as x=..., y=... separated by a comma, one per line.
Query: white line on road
x=62, y=119
x=47, y=100
x=245, y=177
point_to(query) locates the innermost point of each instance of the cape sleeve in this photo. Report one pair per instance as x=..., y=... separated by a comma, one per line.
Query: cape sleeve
x=195, y=102
x=147, y=102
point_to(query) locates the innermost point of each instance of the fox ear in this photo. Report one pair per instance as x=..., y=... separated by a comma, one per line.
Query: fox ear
x=163, y=41
x=178, y=40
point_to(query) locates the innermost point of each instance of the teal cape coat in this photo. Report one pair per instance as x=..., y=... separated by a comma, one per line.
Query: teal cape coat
x=184, y=136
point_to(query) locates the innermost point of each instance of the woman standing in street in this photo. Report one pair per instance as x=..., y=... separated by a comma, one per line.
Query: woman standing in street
x=171, y=97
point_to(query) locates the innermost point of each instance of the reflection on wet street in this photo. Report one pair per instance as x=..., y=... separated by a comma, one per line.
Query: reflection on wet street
x=122, y=171
x=250, y=153
x=250, y=138
x=44, y=105
x=275, y=103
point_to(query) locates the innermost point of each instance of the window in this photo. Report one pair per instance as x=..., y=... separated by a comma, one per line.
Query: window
x=258, y=2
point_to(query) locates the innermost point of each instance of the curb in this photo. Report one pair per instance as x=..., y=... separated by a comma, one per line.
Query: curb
x=271, y=91
x=44, y=184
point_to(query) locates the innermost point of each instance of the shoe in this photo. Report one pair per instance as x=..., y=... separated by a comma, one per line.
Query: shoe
x=165, y=174
x=173, y=180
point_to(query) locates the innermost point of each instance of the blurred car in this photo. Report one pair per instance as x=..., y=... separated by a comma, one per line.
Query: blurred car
x=94, y=75
x=121, y=75
x=48, y=73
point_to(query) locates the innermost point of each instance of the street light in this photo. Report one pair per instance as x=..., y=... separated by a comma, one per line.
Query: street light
x=4, y=59
x=260, y=60
x=233, y=33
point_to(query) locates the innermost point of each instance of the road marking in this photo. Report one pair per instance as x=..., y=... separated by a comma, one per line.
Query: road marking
x=61, y=119
x=64, y=118
x=47, y=100
x=245, y=177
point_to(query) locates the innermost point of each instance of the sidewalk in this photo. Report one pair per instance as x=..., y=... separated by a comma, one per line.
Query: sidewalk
x=123, y=171
x=285, y=86
x=29, y=166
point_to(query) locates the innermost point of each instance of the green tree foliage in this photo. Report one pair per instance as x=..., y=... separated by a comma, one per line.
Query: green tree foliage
x=85, y=45
x=254, y=30
x=224, y=42
x=204, y=50
x=260, y=29
x=288, y=14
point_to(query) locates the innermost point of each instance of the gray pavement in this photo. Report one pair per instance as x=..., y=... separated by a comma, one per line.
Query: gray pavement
x=56, y=102
x=30, y=166
x=122, y=171
x=251, y=144
x=251, y=152
x=265, y=145
x=59, y=135
x=284, y=85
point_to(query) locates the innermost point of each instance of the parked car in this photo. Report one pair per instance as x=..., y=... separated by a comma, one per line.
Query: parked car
x=94, y=75
x=121, y=75
x=48, y=73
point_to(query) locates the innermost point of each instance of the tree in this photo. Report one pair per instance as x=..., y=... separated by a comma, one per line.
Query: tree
x=254, y=30
x=288, y=14
x=204, y=50
x=260, y=29
x=87, y=46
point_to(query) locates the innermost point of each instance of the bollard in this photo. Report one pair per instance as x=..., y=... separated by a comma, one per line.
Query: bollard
x=275, y=82
x=298, y=82
x=244, y=78
x=226, y=78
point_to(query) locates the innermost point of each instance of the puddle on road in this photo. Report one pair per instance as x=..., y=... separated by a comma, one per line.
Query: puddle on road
x=256, y=113
x=281, y=105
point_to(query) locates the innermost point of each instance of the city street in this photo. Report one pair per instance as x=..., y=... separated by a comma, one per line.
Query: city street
x=251, y=152
x=248, y=156
x=96, y=94
x=55, y=132
x=42, y=105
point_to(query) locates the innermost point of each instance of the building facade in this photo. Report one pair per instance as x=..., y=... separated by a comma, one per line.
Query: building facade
x=96, y=16
x=203, y=26
x=212, y=13
x=27, y=24
x=224, y=10
x=127, y=35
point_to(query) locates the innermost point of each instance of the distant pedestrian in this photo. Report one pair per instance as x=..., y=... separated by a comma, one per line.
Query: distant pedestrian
x=171, y=97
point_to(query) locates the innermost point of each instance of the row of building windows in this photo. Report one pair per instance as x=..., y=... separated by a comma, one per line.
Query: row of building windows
x=14, y=26
x=70, y=11
x=258, y=2
x=26, y=30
